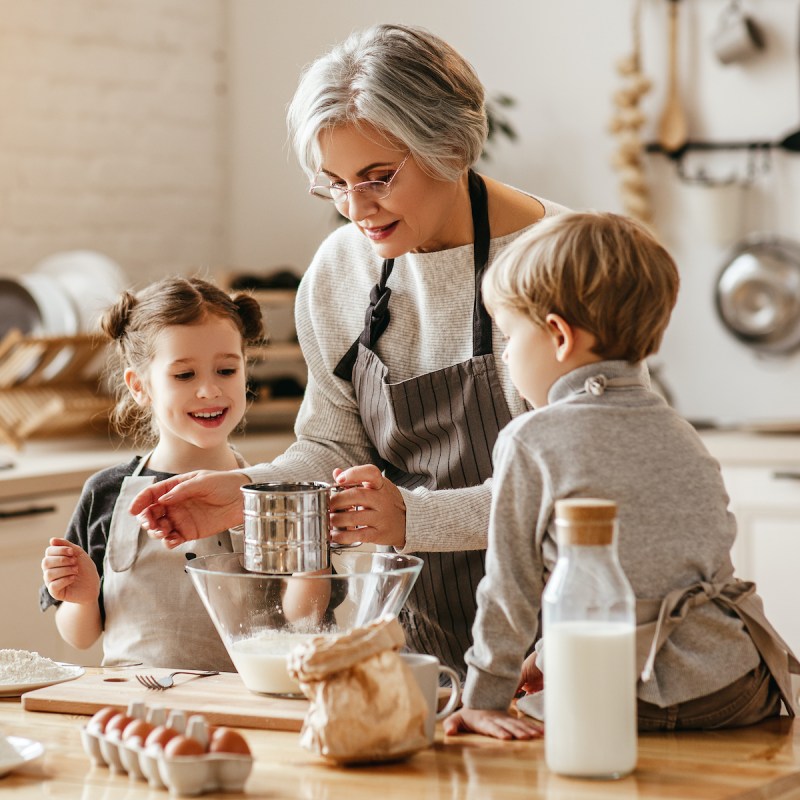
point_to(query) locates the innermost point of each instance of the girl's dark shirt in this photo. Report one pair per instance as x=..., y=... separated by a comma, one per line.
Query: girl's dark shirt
x=91, y=520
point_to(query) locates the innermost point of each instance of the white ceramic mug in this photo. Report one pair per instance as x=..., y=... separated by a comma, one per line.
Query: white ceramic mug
x=737, y=36
x=426, y=670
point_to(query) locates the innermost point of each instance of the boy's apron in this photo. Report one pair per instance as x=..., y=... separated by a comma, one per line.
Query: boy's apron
x=656, y=619
x=153, y=612
x=435, y=431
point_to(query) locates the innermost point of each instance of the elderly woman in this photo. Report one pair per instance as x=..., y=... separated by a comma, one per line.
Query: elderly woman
x=408, y=404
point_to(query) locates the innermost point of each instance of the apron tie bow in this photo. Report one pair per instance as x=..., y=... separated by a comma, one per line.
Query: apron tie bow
x=377, y=316
x=679, y=602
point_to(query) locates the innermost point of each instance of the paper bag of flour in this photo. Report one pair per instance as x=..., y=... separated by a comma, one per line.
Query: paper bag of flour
x=365, y=703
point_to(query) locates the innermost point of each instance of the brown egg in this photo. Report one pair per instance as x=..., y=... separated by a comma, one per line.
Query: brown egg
x=183, y=746
x=225, y=740
x=117, y=724
x=137, y=729
x=99, y=721
x=160, y=735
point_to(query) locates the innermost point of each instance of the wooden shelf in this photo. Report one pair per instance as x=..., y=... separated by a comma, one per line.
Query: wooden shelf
x=280, y=351
x=274, y=297
x=280, y=358
x=277, y=412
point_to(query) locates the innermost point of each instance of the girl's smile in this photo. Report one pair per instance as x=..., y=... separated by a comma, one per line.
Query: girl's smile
x=209, y=418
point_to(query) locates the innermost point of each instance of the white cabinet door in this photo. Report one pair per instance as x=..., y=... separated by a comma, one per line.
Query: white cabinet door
x=26, y=525
x=767, y=551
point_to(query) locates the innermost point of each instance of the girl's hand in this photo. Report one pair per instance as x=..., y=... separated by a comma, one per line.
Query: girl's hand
x=531, y=678
x=373, y=511
x=498, y=724
x=69, y=573
x=190, y=506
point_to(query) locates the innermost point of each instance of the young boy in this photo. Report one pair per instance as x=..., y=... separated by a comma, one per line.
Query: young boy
x=582, y=300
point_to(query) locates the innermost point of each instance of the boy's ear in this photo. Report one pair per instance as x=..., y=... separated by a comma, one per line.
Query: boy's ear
x=136, y=387
x=562, y=334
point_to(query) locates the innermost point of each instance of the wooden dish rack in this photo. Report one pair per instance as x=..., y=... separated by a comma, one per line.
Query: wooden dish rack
x=48, y=386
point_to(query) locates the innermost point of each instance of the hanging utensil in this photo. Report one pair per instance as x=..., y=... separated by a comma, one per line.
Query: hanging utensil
x=758, y=294
x=673, y=130
x=626, y=125
x=791, y=141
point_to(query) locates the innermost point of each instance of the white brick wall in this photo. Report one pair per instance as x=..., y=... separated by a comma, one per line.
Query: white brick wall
x=113, y=132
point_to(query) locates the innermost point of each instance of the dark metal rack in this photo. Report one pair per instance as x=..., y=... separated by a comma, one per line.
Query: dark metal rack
x=790, y=143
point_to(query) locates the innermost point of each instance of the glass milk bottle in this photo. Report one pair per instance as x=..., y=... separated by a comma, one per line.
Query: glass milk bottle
x=589, y=647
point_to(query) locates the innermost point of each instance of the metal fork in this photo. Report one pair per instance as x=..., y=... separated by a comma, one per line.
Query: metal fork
x=167, y=681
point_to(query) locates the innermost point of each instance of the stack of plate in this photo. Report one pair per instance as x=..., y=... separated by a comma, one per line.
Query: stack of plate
x=63, y=295
x=91, y=280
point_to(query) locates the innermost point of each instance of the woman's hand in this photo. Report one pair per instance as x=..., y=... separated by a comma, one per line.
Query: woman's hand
x=373, y=511
x=498, y=724
x=191, y=506
x=70, y=574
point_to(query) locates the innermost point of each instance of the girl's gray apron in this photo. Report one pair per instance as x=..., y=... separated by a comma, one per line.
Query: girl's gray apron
x=153, y=612
x=437, y=431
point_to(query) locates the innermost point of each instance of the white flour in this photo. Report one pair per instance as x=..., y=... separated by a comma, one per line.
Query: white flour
x=24, y=666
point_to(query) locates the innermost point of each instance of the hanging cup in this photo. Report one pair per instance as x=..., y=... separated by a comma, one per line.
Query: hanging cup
x=716, y=208
x=737, y=37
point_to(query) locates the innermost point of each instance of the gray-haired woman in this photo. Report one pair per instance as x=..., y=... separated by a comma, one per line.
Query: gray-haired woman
x=388, y=126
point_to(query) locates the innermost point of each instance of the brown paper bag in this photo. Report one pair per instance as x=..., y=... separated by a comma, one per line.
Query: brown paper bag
x=365, y=703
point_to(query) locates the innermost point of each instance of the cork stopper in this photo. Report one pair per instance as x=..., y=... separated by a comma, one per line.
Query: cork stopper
x=585, y=521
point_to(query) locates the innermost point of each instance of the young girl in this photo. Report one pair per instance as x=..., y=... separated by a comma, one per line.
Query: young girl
x=178, y=370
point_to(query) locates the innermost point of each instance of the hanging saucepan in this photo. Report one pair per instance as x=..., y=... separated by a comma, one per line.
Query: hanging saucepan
x=758, y=293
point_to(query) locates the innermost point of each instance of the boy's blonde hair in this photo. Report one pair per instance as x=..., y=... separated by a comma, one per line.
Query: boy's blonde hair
x=601, y=272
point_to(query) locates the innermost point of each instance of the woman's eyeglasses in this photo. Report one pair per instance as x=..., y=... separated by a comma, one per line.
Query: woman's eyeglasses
x=370, y=190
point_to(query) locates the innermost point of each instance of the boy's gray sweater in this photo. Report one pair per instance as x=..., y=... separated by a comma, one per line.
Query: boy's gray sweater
x=627, y=445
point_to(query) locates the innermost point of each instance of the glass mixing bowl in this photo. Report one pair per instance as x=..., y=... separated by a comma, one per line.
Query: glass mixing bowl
x=261, y=618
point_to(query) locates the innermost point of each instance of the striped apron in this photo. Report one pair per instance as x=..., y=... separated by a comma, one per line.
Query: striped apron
x=436, y=431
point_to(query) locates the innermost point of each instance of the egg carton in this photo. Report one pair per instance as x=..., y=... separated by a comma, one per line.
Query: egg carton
x=183, y=776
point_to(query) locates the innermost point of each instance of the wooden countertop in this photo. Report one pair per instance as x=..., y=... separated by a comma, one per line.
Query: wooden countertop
x=762, y=762
x=63, y=465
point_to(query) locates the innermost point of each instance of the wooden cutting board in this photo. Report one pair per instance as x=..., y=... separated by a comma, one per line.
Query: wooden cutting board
x=222, y=699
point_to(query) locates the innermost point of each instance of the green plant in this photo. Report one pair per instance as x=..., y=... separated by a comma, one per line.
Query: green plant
x=499, y=124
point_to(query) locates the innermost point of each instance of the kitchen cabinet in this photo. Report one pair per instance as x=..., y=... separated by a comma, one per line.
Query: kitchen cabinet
x=766, y=502
x=762, y=476
x=26, y=525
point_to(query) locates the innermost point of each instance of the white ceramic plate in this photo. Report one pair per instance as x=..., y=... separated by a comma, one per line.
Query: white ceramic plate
x=27, y=750
x=91, y=279
x=16, y=689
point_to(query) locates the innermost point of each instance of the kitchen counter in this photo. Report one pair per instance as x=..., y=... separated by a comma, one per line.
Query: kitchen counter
x=748, y=448
x=761, y=761
x=63, y=465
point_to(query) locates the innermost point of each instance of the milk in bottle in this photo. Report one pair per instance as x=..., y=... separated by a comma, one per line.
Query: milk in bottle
x=589, y=647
